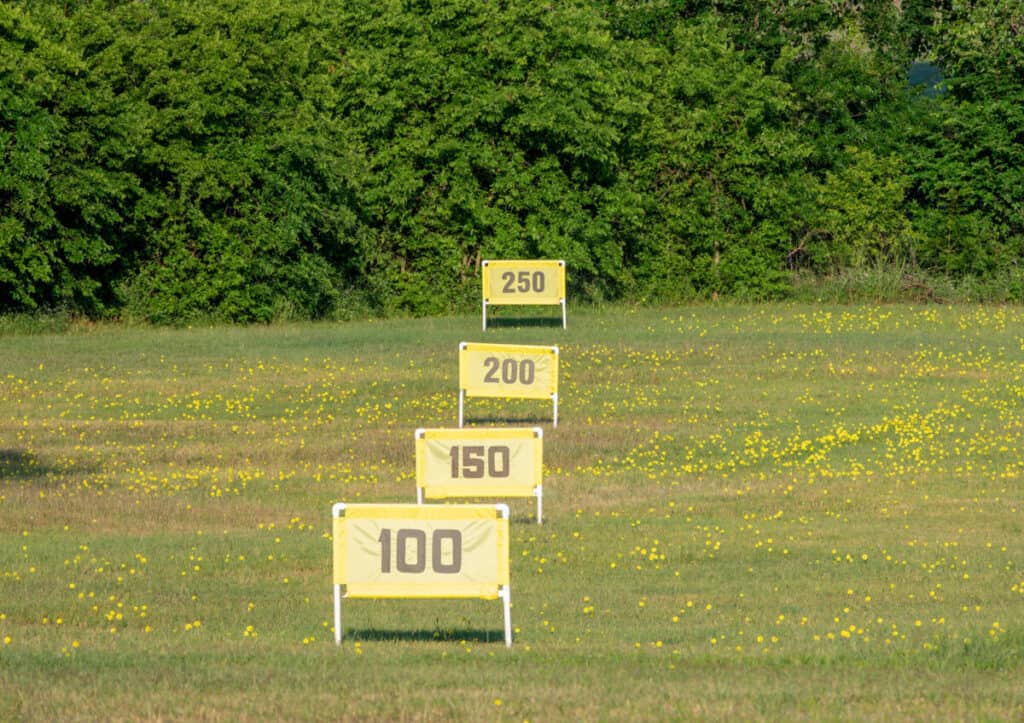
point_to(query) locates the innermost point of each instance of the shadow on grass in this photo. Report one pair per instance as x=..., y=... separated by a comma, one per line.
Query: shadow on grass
x=424, y=636
x=511, y=322
x=522, y=510
x=532, y=420
x=16, y=464
x=525, y=517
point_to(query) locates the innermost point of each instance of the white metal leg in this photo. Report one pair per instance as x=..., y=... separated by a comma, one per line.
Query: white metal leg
x=337, y=614
x=462, y=399
x=506, y=596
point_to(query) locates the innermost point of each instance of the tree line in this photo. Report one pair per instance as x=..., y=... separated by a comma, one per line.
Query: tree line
x=173, y=159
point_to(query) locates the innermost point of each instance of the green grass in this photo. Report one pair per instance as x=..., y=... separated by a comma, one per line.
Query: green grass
x=751, y=512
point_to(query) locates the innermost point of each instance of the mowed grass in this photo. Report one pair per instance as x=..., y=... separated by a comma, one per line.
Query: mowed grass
x=751, y=512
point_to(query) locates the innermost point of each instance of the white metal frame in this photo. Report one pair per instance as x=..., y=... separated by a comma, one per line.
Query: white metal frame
x=554, y=405
x=561, y=301
x=486, y=303
x=538, y=491
x=462, y=394
x=504, y=591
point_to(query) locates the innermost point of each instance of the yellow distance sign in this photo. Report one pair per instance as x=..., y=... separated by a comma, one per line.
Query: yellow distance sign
x=421, y=551
x=508, y=370
x=480, y=463
x=432, y=551
x=523, y=282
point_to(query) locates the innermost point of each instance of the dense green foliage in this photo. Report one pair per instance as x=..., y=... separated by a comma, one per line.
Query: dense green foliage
x=250, y=161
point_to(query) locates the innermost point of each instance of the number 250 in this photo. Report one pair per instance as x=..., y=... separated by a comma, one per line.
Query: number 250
x=523, y=282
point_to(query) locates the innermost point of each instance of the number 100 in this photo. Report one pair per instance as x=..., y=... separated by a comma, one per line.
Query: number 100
x=416, y=542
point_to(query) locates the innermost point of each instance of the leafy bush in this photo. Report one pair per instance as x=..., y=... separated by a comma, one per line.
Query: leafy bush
x=252, y=161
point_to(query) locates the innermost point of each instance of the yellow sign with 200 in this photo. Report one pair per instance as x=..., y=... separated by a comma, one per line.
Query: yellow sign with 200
x=508, y=370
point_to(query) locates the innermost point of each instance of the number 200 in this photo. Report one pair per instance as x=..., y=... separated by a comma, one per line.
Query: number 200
x=511, y=371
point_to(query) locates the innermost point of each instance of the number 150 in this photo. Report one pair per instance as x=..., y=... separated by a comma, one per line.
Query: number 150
x=475, y=460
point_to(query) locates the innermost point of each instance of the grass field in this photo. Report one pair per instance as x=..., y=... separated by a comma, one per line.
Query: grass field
x=751, y=512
